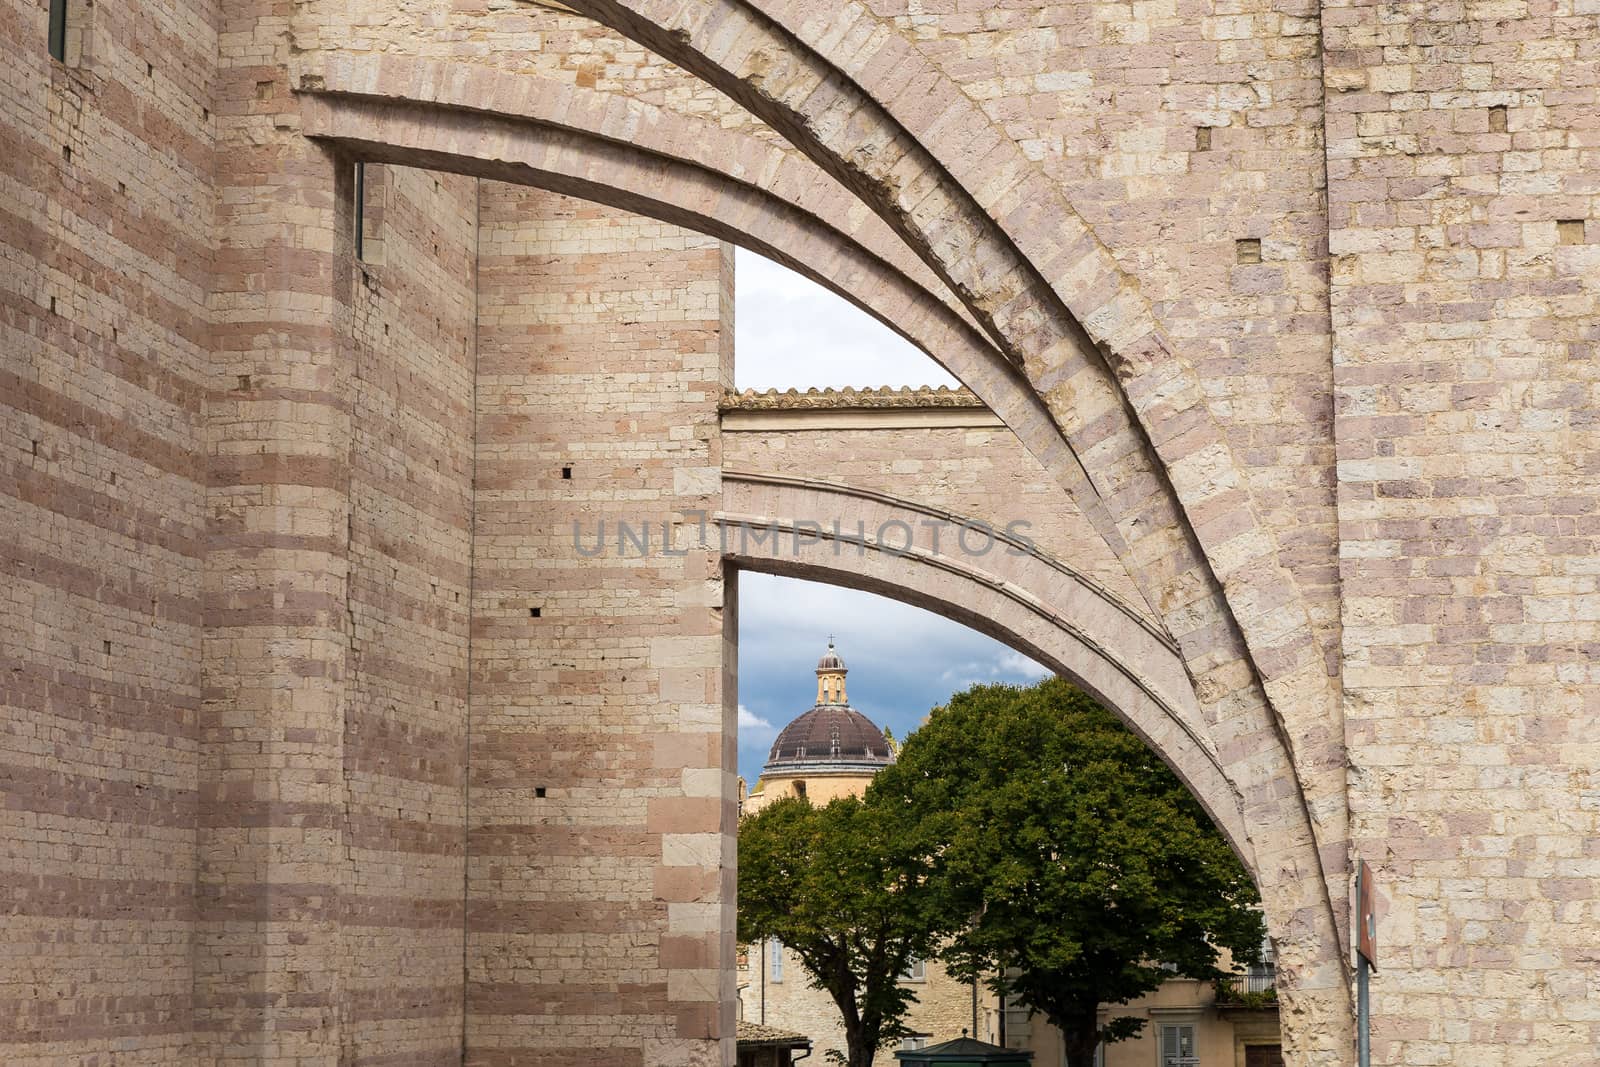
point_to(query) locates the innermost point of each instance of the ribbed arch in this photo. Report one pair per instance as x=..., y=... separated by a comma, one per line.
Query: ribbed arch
x=1038, y=370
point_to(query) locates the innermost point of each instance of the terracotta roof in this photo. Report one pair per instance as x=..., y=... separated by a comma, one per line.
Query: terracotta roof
x=850, y=398
x=753, y=1034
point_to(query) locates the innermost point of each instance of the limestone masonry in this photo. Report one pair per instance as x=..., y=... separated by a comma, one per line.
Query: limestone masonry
x=327, y=740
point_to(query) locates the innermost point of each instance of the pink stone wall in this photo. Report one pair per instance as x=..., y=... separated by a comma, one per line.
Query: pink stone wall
x=1178, y=128
x=600, y=756
x=105, y=258
x=404, y=830
x=1463, y=154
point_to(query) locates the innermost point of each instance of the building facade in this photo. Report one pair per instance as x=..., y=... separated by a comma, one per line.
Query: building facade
x=326, y=738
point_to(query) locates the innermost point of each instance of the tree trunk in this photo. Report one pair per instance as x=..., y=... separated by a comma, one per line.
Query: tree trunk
x=860, y=1050
x=1080, y=1049
x=860, y=1035
x=1080, y=1036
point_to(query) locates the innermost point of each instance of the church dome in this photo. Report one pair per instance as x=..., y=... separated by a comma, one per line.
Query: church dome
x=833, y=737
x=829, y=737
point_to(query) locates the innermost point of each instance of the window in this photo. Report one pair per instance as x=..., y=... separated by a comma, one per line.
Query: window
x=68, y=20
x=775, y=959
x=915, y=1041
x=58, y=30
x=916, y=971
x=800, y=788
x=744, y=958
x=1262, y=976
x=1263, y=1056
x=1178, y=1046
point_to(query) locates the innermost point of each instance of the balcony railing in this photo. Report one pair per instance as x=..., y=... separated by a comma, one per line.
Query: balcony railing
x=1254, y=990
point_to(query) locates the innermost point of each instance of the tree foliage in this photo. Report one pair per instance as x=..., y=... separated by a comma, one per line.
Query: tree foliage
x=846, y=897
x=1081, y=860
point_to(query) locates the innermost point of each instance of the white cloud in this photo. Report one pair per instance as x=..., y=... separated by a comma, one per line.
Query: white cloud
x=779, y=615
x=1013, y=664
x=791, y=332
x=1003, y=665
x=753, y=726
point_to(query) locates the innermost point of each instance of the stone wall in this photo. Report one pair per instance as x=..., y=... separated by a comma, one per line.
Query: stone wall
x=412, y=465
x=106, y=249
x=1464, y=221
x=601, y=751
x=280, y=443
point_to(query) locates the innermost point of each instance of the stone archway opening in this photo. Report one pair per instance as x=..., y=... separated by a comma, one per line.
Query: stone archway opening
x=515, y=449
x=928, y=643
x=1206, y=630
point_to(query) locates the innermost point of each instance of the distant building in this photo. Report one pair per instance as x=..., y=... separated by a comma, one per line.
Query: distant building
x=828, y=751
x=767, y=1046
x=1186, y=1025
x=833, y=750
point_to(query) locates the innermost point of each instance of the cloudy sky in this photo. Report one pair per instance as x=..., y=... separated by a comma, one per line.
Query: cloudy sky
x=791, y=332
x=902, y=660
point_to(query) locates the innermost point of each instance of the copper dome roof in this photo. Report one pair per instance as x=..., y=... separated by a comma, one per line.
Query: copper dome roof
x=830, y=737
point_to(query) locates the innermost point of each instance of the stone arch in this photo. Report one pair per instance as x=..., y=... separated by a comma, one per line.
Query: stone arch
x=868, y=108
x=1012, y=591
x=1239, y=768
x=735, y=154
x=1210, y=598
x=597, y=166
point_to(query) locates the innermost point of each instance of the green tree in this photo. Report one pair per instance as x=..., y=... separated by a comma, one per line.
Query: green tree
x=848, y=899
x=1081, y=857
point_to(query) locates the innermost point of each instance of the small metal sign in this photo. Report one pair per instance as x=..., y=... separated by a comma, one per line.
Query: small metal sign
x=1366, y=915
x=1366, y=958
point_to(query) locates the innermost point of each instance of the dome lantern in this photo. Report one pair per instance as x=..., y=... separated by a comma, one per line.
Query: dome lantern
x=830, y=678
